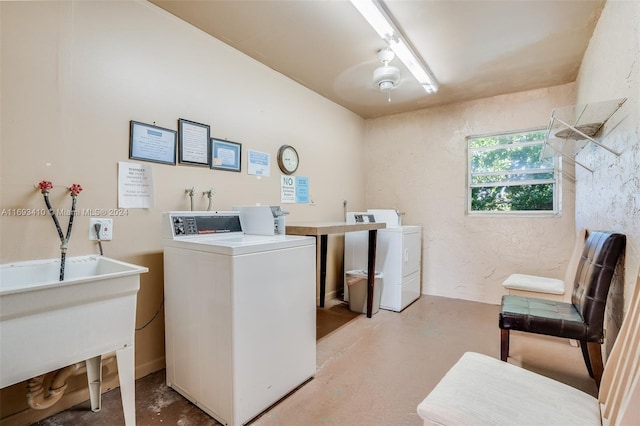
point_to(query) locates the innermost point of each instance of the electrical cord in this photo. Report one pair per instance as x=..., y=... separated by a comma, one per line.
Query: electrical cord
x=97, y=228
x=153, y=317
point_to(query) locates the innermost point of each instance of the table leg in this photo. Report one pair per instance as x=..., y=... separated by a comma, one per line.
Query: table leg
x=371, y=270
x=323, y=268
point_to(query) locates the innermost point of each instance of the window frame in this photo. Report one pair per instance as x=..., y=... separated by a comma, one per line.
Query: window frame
x=556, y=181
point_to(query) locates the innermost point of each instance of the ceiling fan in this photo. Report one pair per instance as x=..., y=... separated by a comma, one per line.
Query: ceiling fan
x=386, y=77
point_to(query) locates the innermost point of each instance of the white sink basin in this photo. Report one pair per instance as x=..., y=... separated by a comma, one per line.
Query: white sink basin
x=46, y=324
x=31, y=287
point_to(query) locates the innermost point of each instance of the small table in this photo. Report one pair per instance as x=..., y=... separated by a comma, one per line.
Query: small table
x=322, y=230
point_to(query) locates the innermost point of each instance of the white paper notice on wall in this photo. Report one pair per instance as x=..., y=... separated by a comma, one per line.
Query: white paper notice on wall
x=135, y=186
x=287, y=189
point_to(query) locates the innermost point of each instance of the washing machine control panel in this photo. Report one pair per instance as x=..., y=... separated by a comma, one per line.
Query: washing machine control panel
x=187, y=225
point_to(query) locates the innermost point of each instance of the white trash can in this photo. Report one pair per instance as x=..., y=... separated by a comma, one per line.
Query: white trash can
x=357, y=282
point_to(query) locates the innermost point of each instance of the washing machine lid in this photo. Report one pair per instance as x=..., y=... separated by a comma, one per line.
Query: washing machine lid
x=233, y=245
x=403, y=229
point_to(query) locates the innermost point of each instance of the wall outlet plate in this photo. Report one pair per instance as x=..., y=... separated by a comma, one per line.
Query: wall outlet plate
x=106, y=229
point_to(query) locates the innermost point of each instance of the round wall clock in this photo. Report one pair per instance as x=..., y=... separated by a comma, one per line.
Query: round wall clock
x=288, y=159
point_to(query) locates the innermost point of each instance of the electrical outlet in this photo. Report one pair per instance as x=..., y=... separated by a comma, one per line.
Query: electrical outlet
x=106, y=229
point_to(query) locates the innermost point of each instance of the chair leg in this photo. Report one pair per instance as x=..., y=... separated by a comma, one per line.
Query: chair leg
x=595, y=355
x=585, y=354
x=504, y=344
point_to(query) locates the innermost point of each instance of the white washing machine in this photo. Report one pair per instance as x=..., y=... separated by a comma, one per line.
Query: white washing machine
x=397, y=256
x=240, y=313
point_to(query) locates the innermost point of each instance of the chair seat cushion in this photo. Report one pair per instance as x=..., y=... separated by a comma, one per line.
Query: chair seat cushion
x=543, y=316
x=534, y=283
x=480, y=390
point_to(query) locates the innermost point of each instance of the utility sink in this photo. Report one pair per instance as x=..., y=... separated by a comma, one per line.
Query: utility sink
x=47, y=324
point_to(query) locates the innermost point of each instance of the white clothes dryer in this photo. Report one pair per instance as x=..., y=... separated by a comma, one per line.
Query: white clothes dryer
x=398, y=257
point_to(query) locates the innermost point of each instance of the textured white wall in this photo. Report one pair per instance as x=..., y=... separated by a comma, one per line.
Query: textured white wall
x=417, y=163
x=609, y=198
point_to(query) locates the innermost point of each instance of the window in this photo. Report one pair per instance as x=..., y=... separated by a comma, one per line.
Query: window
x=506, y=174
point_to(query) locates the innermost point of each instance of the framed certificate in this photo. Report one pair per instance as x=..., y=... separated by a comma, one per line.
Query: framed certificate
x=226, y=155
x=152, y=143
x=193, y=143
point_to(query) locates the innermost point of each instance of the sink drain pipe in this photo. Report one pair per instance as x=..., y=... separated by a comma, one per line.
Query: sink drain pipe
x=35, y=387
x=36, y=397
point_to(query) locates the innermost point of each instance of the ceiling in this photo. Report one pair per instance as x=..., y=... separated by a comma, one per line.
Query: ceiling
x=475, y=48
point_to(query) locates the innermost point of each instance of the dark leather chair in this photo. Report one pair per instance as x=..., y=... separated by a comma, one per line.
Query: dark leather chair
x=583, y=318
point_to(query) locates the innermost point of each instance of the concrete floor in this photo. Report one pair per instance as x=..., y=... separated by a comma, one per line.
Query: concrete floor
x=369, y=371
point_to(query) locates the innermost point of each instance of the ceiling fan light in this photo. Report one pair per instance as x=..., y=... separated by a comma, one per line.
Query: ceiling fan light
x=386, y=77
x=386, y=85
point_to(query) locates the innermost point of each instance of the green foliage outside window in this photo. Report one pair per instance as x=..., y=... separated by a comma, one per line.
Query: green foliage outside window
x=506, y=174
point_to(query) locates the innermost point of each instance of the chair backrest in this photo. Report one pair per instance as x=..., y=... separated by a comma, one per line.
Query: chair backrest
x=620, y=387
x=593, y=278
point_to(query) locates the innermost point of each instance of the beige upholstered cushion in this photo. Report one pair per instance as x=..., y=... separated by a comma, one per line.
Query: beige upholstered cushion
x=480, y=390
x=534, y=283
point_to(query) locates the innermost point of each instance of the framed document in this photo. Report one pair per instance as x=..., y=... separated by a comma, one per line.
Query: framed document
x=225, y=155
x=152, y=143
x=193, y=143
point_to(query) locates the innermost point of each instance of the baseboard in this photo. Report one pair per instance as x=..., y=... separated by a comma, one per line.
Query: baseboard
x=150, y=367
x=328, y=295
